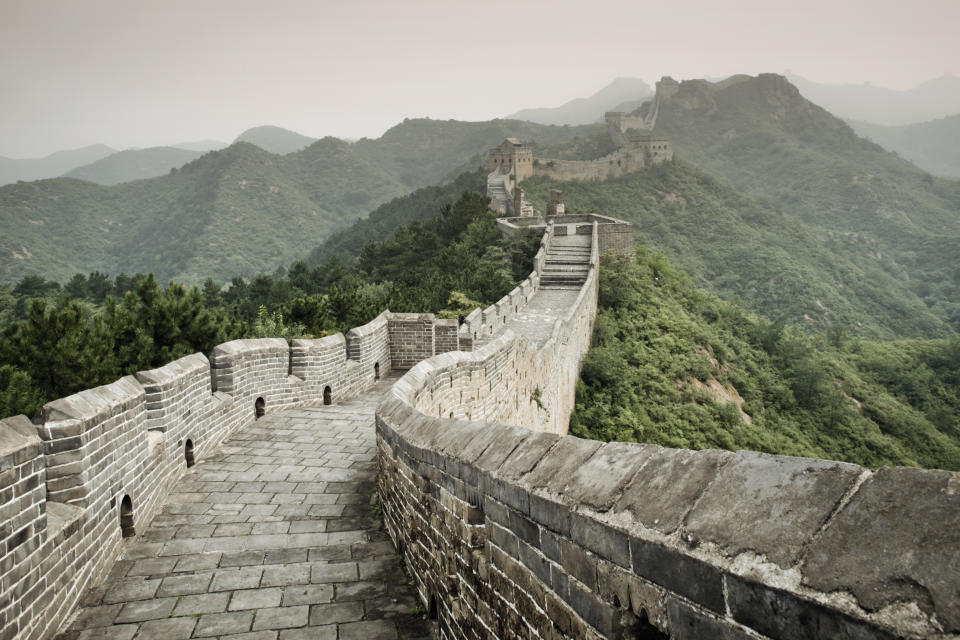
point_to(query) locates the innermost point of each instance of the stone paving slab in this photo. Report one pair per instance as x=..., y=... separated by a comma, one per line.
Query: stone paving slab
x=274, y=538
x=535, y=321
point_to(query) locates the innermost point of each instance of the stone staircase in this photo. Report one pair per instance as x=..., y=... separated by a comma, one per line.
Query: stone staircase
x=500, y=199
x=568, y=262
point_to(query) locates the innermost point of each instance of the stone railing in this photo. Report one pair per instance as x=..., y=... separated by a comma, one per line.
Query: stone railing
x=522, y=532
x=613, y=234
x=99, y=465
x=482, y=324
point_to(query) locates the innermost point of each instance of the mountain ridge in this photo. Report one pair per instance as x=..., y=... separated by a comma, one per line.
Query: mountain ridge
x=932, y=145
x=275, y=139
x=929, y=100
x=241, y=204
x=590, y=109
x=50, y=166
x=133, y=164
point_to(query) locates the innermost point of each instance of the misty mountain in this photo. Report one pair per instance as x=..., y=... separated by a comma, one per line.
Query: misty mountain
x=809, y=222
x=933, y=146
x=237, y=211
x=864, y=102
x=382, y=223
x=133, y=164
x=767, y=140
x=201, y=145
x=56, y=164
x=589, y=110
x=275, y=139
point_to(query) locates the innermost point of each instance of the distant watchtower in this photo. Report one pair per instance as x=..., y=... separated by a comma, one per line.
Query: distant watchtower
x=512, y=157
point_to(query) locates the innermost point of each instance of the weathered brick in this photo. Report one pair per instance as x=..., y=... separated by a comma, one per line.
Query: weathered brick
x=679, y=572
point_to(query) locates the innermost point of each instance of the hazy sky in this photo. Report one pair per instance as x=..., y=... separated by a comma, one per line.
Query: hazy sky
x=149, y=72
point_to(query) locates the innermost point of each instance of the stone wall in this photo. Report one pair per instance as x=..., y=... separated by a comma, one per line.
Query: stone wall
x=512, y=530
x=417, y=336
x=612, y=165
x=65, y=483
x=613, y=234
x=482, y=324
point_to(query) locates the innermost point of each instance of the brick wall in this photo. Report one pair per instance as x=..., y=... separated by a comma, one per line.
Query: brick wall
x=481, y=325
x=512, y=530
x=62, y=482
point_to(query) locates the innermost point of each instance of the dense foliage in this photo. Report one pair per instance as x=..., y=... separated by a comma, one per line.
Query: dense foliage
x=383, y=221
x=764, y=138
x=673, y=365
x=239, y=211
x=745, y=249
x=58, y=339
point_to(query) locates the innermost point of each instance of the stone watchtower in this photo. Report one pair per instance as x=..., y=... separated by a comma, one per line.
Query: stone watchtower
x=510, y=163
x=655, y=149
x=667, y=87
x=513, y=157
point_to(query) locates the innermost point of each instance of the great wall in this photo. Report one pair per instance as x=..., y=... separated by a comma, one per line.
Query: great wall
x=636, y=147
x=220, y=496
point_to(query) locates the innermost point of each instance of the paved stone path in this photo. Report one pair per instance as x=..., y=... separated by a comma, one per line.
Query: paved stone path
x=277, y=536
x=274, y=538
x=566, y=269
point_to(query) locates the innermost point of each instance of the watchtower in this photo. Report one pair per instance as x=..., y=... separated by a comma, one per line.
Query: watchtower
x=512, y=157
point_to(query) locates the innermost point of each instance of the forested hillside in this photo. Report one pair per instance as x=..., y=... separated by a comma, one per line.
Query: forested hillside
x=764, y=138
x=744, y=249
x=932, y=145
x=673, y=365
x=237, y=211
x=422, y=204
x=133, y=164
x=56, y=340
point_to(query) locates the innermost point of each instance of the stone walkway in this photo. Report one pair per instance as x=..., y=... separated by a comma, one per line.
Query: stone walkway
x=275, y=538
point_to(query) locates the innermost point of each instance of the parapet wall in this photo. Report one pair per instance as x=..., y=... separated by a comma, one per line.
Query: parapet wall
x=615, y=164
x=512, y=530
x=102, y=461
x=482, y=324
x=612, y=234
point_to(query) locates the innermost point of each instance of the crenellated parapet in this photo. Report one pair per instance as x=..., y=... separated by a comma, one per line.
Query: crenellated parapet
x=510, y=528
x=101, y=462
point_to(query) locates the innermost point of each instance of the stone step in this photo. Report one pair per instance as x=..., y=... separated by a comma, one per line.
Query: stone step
x=567, y=258
x=572, y=281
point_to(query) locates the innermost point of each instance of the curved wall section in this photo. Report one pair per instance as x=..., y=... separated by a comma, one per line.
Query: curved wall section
x=512, y=530
x=63, y=482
